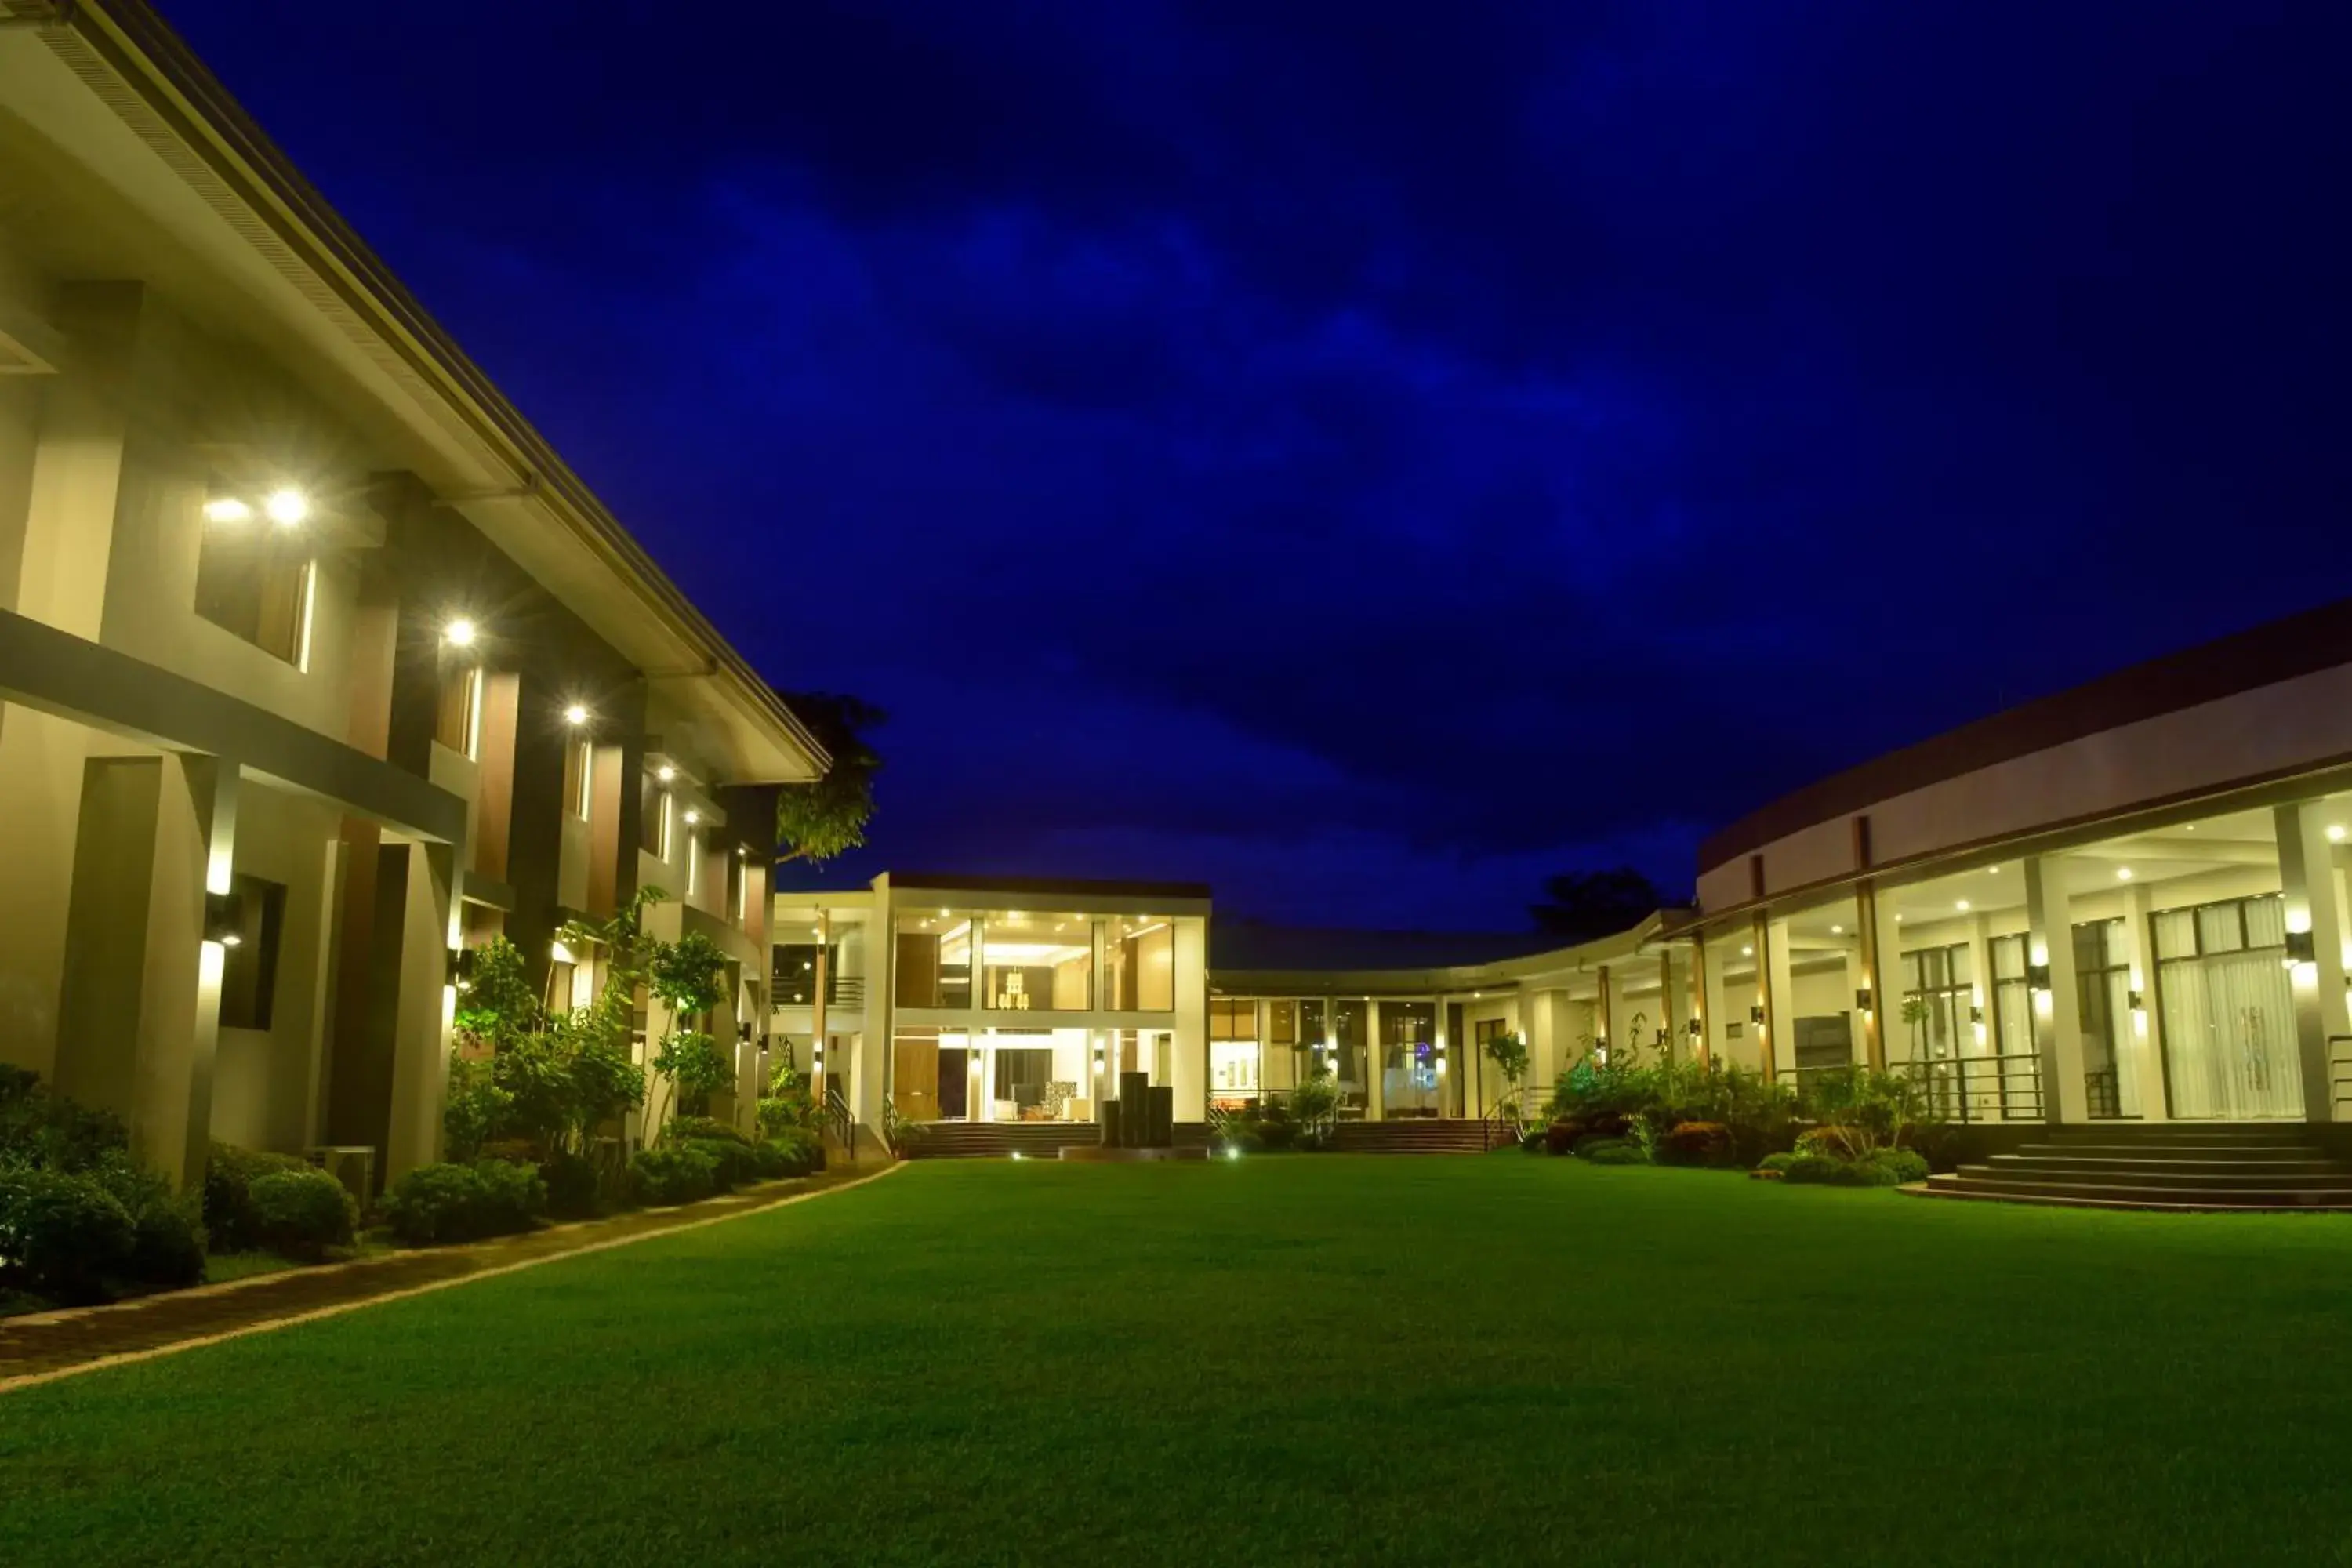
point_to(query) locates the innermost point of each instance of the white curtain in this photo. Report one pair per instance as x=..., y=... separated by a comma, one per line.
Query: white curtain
x=2228, y=1018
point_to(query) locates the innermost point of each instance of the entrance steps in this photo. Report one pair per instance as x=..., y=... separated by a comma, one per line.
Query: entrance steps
x=2169, y=1166
x=1412, y=1135
x=1030, y=1140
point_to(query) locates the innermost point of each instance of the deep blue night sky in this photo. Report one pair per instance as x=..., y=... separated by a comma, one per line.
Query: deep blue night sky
x=1370, y=462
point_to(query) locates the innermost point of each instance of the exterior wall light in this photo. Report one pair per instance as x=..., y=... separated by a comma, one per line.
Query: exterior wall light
x=1755, y=1015
x=459, y=633
x=1696, y=1028
x=288, y=507
x=575, y=715
x=1862, y=999
x=461, y=967
x=224, y=919
x=692, y=816
x=2037, y=976
x=2300, y=948
x=665, y=773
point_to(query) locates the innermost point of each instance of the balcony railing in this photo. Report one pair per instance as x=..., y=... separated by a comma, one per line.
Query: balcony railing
x=1960, y=1089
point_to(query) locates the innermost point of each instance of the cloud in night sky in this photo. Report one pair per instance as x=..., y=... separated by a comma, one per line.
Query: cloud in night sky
x=1371, y=461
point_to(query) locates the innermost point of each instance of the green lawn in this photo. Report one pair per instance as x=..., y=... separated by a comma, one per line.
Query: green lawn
x=1279, y=1360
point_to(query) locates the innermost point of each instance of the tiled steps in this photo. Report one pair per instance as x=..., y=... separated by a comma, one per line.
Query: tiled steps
x=2169, y=1167
x=1411, y=1135
x=1031, y=1140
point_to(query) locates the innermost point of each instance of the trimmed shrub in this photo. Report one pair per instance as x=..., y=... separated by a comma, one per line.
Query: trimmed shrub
x=1611, y=1152
x=511, y=1199
x=571, y=1183
x=697, y=1129
x=732, y=1164
x=1778, y=1164
x=464, y=1202
x=300, y=1212
x=230, y=1176
x=1696, y=1144
x=672, y=1175
x=1821, y=1169
x=61, y=1235
x=1908, y=1164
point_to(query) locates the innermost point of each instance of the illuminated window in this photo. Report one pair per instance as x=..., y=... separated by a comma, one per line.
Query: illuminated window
x=579, y=777
x=693, y=863
x=255, y=583
x=459, y=726
x=1140, y=955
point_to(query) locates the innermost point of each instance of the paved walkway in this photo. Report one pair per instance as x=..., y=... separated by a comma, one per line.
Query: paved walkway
x=39, y=1347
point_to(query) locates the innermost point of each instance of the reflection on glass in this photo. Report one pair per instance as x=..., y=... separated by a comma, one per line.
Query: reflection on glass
x=934, y=967
x=1140, y=955
x=1037, y=964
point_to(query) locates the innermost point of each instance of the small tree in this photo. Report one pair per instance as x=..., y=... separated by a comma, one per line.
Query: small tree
x=816, y=822
x=688, y=977
x=1509, y=1054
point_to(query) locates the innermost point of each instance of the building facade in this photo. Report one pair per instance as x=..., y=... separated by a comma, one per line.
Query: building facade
x=317, y=666
x=2126, y=902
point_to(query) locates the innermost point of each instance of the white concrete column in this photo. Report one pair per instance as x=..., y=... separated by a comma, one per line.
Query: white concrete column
x=1376, y=1097
x=1779, y=1048
x=425, y=1006
x=2316, y=931
x=58, y=578
x=1188, y=1071
x=2056, y=990
x=2147, y=1023
x=871, y=1057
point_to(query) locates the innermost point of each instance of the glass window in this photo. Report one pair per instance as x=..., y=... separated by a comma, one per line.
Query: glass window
x=2231, y=1041
x=249, y=965
x=916, y=1064
x=934, y=961
x=1140, y=955
x=579, y=777
x=1037, y=964
x=2221, y=928
x=255, y=582
x=1233, y=1018
x=459, y=724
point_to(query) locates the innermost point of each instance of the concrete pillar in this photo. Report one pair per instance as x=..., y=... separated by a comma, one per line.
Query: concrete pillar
x=1376, y=1098
x=1188, y=1068
x=57, y=576
x=1775, y=971
x=1543, y=1018
x=395, y=1003
x=1667, y=1035
x=1605, y=1014
x=139, y=1007
x=2056, y=991
x=1876, y=969
x=2315, y=927
x=1700, y=1030
x=2147, y=1023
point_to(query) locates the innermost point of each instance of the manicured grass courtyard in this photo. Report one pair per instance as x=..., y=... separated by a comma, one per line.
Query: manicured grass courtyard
x=1297, y=1359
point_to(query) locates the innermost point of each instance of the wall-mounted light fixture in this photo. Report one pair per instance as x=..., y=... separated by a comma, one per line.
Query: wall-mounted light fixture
x=692, y=816
x=2300, y=948
x=224, y=919
x=1976, y=1014
x=1862, y=999
x=665, y=773
x=285, y=506
x=1696, y=1028
x=1755, y=1015
x=2134, y=1001
x=743, y=1030
x=575, y=714
x=461, y=967
x=2037, y=976
x=459, y=632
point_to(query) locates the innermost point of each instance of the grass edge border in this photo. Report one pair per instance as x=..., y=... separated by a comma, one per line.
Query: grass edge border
x=269, y=1325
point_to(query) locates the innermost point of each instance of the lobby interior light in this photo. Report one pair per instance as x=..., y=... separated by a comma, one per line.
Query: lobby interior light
x=459, y=633
x=2335, y=832
x=574, y=714
x=227, y=509
x=2123, y=873
x=1747, y=953
x=286, y=507
x=1837, y=931
x=1961, y=905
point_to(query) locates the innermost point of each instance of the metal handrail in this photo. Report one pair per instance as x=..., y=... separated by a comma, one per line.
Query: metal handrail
x=2006, y=1088
x=844, y=1125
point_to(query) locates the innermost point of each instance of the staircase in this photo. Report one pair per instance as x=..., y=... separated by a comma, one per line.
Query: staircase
x=1412, y=1135
x=1030, y=1140
x=2172, y=1166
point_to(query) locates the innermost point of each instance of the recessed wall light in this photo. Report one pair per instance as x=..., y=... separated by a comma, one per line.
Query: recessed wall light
x=2123, y=873
x=1747, y=953
x=692, y=816
x=575, y=715
x=2335, y=832
x=227, y=509
x=1961, y=905
x=1837, y=931
x=286, y=508
x=459, y=633
x=665, y=773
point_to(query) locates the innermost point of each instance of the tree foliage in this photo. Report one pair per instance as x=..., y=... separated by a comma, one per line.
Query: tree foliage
x=1582, y=905
x=816, y=822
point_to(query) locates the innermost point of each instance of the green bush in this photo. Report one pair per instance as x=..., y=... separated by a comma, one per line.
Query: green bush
x=302, y=1212
x=571, y=1184
x=1611, y=1152
x=48, y=1131
x=1778, y=1163
x=230, y=1176
x=672, y=1175
x=448, y=1202
x=732, y=1164
x=1908, y=1164
x=802, y=1150
x=699, y=1128
x=1824, y=1170
x=62, y=1235
x=1697, y=1143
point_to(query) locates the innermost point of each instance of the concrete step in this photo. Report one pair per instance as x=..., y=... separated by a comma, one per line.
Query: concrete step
x=2144, y=1200
x=2281, y=1161
x=2326, y=1179
x=2119, y=1192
